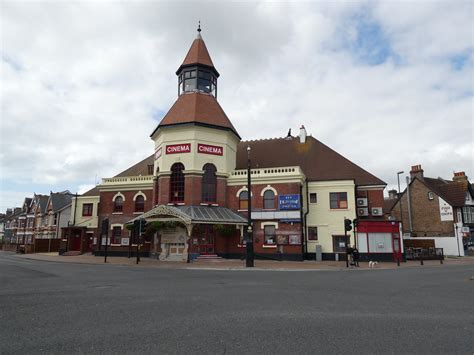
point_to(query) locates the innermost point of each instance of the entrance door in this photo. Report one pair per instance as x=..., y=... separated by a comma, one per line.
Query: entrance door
x=206, y=240
x=176, y=249
x=75, y=242
x=397, y=253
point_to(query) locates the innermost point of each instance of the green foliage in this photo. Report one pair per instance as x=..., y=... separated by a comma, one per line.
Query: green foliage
x=225, y=230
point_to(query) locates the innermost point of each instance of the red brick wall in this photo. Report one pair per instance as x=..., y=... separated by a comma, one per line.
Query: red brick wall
x=374, y=197
x=106, y=208
x=192, y=190
x=221, y=191
x=164, y=190
x=257, y=200
x=426, y=218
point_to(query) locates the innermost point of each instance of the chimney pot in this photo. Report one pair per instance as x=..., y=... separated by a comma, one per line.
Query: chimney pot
x=459, y=176
x=416, y=171
x=303, y=134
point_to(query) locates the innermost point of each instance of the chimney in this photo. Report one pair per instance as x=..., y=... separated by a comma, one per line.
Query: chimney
x=303, y=134
x=416, y=171
x=9, y=212
x=392, y=194
x=460, y=176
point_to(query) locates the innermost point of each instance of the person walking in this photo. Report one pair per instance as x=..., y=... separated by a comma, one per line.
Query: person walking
x=355, y=256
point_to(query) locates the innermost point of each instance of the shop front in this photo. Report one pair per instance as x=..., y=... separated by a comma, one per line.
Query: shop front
x=379, y=241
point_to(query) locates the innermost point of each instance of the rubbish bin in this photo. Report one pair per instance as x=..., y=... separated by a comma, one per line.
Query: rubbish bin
x=319, y=253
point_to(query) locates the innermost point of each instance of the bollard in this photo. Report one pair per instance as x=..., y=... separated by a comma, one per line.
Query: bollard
x=398, y=261
x=441, y=257
x=421, y=258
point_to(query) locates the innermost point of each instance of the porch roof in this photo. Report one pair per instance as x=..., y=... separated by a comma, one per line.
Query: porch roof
x=194, y=214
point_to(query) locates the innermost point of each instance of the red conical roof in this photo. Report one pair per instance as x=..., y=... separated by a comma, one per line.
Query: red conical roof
x=198, y=54
x=198, y=108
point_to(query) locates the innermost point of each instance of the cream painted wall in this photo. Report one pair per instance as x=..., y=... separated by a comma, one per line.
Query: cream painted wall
x=329, y=222
x=89, y=221
x=194, y=160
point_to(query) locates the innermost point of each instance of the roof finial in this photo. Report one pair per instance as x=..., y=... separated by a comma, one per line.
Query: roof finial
x=199, y=29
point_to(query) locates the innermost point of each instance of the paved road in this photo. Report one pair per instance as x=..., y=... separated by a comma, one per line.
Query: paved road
x=50, y=308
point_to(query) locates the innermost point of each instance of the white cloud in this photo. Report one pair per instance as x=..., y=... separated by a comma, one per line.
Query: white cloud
x=81, y=82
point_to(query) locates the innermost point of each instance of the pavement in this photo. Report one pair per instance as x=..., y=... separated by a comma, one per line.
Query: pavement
x=70, y=308
x=226, y=264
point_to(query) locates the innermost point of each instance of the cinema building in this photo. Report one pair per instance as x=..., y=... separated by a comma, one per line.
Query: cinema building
x=194, y=189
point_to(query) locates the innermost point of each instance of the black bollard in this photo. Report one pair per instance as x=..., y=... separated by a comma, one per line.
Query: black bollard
x=421, y=258
x=398, y=261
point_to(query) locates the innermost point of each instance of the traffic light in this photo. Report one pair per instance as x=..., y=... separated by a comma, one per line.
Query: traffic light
x=142, y=225
x=347, y=224
x=355, y=222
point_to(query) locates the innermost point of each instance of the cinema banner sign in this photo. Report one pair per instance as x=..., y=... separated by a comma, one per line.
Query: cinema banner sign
x=178, y=148
x=210, y=149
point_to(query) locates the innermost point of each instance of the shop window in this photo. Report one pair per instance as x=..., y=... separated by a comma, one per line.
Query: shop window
x=86, y=209
x=209, y=183
x=312, y=233
x=243, y=200
x=339, y=243
x=338, y=200
x=177, y=183
x=118, y=204
x=313, y=197
x=117, y=235
x=380, y=243
x=269, y=200
x=269, y=232
x=139, y=203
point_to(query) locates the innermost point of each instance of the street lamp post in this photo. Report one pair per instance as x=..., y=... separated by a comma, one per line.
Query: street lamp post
x=249, y=243
x=399, y=193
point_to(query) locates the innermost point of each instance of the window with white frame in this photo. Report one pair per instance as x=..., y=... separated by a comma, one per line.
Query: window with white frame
x=468, y=214
x=269, y=232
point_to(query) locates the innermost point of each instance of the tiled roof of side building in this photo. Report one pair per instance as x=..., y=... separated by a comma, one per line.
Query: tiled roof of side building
x=60, y=200
x=453, y=192
x=388, y=204
x=318, y=161
x=92, y=192
x=43, y=203
x=198, y=108
x=140, y=168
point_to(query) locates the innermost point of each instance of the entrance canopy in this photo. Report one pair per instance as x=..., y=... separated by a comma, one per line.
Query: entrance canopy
x=190, y=215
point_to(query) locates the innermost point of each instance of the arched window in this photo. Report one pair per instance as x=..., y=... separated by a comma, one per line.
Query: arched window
x=177, y=183
x=209, y=183
x=139, y=203
x=118, y=204
x=269, y=200
x=243, y=200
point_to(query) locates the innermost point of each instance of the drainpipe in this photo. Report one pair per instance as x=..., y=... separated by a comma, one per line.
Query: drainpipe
x=410, y=223
x=303, y=239
x=305, y=215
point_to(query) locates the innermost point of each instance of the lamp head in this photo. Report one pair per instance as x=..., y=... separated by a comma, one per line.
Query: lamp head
x=400, y=172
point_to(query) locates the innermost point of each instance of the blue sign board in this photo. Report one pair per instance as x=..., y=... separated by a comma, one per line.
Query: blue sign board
x=289, y=202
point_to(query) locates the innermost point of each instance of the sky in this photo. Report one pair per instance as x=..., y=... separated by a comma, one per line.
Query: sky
x=387, y=84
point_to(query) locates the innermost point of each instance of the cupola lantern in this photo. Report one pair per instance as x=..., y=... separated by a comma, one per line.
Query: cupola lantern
x=197, y=73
